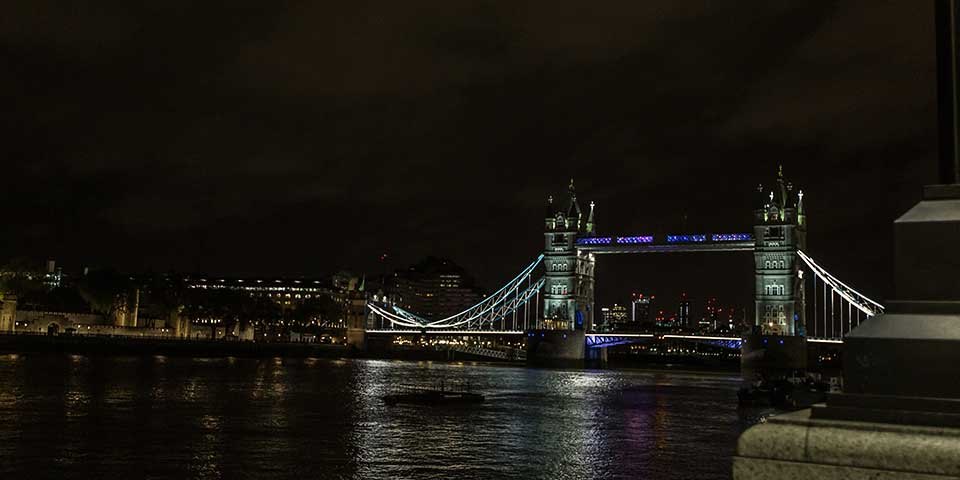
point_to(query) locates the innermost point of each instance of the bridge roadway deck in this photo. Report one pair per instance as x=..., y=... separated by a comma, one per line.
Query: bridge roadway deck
x=743, y=246
x=596, y=335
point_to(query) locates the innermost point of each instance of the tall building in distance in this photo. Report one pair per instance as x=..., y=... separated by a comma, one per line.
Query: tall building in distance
x=683, y=312
x=434, y=288
x=641, y=312
x=615, y=318
x=710, y=321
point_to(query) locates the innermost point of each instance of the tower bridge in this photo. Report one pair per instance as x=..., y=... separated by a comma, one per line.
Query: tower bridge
x=793, y=295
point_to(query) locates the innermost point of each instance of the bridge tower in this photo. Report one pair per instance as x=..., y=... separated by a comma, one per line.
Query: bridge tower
x=356, y=314
x=568, y=289
x=586, y=263
x=780, y=229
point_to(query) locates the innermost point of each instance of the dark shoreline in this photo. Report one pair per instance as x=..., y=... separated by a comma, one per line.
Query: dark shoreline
x=99, y=345
x=132, y=346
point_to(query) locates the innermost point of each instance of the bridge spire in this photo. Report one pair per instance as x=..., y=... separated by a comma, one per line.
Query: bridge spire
x=573, y=211
x=782, y=184
x=591, y=227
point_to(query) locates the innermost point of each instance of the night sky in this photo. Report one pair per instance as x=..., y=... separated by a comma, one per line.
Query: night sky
x=300, y=138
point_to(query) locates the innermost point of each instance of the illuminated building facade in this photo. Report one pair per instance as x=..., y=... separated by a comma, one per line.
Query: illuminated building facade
x=434, y=288
x=286, y=292
x=615, y=318
x=641, y=313
x=710, y=321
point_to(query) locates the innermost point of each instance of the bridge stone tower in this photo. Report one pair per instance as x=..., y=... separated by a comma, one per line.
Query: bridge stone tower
x=780, y=229
x=568, y=290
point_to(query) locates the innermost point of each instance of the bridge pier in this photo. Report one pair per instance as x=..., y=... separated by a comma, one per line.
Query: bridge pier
x=771, y=357
x=357, y=320
x=596, y=357
x=556, y=348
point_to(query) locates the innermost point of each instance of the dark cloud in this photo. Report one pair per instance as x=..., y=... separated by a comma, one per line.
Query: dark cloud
x=302, y=137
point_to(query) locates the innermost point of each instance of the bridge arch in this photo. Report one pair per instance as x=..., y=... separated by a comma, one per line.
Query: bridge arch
x=53, y=328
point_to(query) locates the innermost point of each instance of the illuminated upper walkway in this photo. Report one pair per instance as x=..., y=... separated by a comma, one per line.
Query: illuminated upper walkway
x=715, y=242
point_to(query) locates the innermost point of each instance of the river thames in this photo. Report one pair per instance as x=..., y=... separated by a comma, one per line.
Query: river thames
x=69, y=416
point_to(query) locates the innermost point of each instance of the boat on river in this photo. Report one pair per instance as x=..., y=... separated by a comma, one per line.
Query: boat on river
x=428, y=396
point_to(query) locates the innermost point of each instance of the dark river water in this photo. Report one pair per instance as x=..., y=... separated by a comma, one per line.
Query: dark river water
x=64, y=416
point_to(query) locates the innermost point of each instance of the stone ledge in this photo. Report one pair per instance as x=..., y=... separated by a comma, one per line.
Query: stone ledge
x=905, y=449
x=941, y=192
x=756, y=468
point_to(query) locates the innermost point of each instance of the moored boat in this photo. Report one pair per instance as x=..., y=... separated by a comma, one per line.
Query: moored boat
x=433, y=397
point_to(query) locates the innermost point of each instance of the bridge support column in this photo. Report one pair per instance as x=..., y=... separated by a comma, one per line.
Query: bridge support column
x=357, y=321
x=596, y=357
x=561, y=348
x=771, y=356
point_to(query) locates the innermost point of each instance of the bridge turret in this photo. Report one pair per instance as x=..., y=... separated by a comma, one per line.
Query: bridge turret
x=551, y=215
x=801, y=215
x=574, y=215
x=779, y=230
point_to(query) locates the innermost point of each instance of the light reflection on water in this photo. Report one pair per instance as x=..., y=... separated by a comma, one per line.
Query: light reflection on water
x=168, y=417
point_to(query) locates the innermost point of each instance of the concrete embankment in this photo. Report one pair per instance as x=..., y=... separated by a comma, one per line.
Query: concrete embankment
x=86, y=345
x=105, y=345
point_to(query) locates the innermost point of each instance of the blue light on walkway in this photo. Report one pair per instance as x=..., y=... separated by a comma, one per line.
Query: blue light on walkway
x=595, y=241
x=731, y=237
x=635, y=239
x=686, y=238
